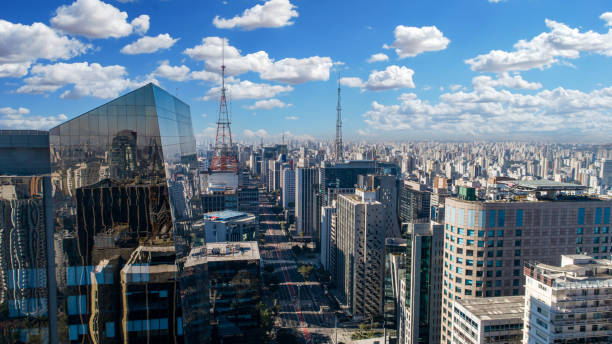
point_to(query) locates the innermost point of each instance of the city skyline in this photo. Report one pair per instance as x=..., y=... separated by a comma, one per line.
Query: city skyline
x=443, y=71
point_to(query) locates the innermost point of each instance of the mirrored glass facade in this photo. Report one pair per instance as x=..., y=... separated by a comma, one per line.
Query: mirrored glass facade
x=125, y=194
x=27, y=279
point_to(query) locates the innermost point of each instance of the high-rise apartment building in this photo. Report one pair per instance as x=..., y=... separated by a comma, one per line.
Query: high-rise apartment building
x=360, y=240
x=386, y=188
x=328, y=243
x=486, y=243
x=571, y=303
x=288, y=188
x=27, y=267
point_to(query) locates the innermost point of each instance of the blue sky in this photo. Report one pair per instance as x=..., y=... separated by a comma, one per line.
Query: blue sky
x=478, y=69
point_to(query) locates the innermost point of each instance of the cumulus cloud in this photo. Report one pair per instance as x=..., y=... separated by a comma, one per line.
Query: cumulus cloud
x=455, y=87
x=97, y=19
x=271, y=14
x=392, y=77
x=561, y=42
x=491, y=112
x=87, y=79
x=21, y=45
x=288, y=70
x=411, y=41
x=607, y=17
x=17, y=119
x=176, y=73
x=148, y=44
x=292, y=118
x=248, y=90
x=378, y=58
x=506, y=81
x=268, y=104
x=351, y=81
x=261, y=133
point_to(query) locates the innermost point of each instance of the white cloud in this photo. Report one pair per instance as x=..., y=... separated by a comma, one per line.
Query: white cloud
x=490, y=112
x=548, y=48
x=607, y=17
x=87, y=79
x=271, y=14
x=288, y=70
x=268, y=104
x=248, y=90
x=378, y=58
x=261, y=133
x=292, y=118
x=176, y=73
x=506, y=81
x=97, y=19
x=10, y=112
x=18, y=119
x=351, y=82
x=391, y=78
x=496, y=1
x=14, y=70
x=366, y=132
x=21, y=45
x=411, y=41
x=206, y=133
x=455, y=87
x=148, y=44
x=204, y=115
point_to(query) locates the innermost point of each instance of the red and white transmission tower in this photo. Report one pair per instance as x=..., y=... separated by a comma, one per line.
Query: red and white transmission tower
x=224, y=159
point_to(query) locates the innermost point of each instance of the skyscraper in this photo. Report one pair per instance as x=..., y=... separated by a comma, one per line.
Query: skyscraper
x=145, y=140
x=306, y=187
x=486, y=243
x=360, y=254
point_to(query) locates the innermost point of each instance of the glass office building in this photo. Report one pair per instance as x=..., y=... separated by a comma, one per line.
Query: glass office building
x=27, y=279
x=125, y=193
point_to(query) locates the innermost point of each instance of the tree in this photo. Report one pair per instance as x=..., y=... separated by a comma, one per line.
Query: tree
x=305, y=271
x=266, y=322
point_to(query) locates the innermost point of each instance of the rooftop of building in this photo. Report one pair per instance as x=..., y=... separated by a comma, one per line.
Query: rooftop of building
x=576, y=271
x=542, y=185
x=495, y=308
x=227, y=215
x=223, y=251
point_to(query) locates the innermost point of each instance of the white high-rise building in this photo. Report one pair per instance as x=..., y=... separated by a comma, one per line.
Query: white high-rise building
x=306, y=183
x=288, y=188
x=571, y=303
x=360, y=253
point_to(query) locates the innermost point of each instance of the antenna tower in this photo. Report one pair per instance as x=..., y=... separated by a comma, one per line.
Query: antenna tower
x=338, y=144
x=223, y=159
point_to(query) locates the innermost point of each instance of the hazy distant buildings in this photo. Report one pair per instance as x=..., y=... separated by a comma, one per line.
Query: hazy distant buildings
x=360, y=236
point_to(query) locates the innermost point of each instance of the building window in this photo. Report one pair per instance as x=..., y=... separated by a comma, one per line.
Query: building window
x=596, y=230
x=518, y=232
x=481, y=234
x=517, y=243
x=500, y=232
x=500, y=243
x=517, y=253
x=578, y=240
x=606, y=216
x=579, y=231
x=500, y=253
x=501, y=218
x=470, y=242
x=597, y=216
x=491, y=233
x=460, y=231
x=580, y=216
x=491, y=218
x=517, y=262
x=516, y=272
x=469, y=262
x=481, y=243
x=519, y=217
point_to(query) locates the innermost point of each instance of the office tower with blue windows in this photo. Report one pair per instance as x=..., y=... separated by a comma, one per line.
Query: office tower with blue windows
x=125, y=195
x=487, y=242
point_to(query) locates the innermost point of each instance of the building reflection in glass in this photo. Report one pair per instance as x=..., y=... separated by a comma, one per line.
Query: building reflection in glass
x=124, y=185
x=26, y=266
